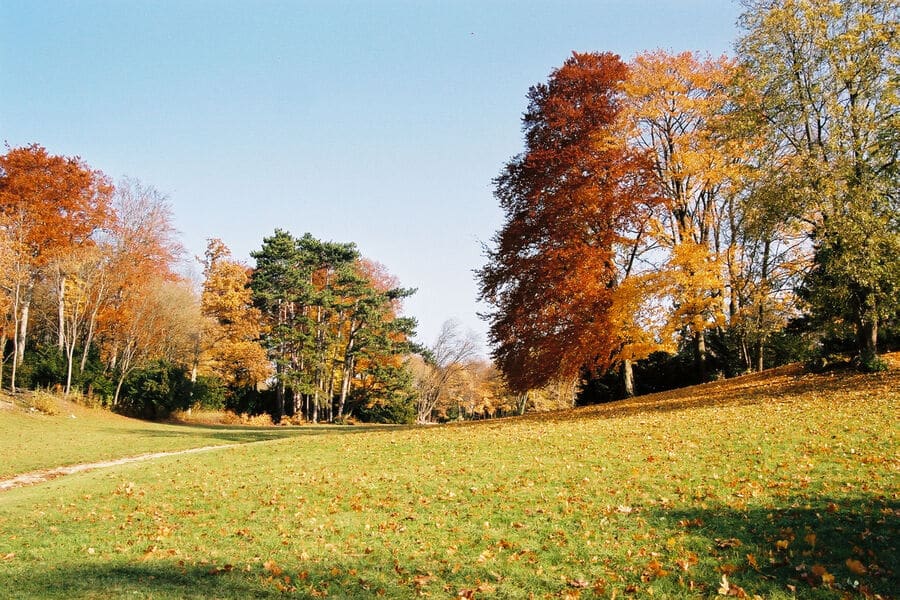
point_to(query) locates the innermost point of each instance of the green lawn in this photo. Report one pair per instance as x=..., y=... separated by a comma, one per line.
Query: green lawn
x=785, y=487
x=31, y=440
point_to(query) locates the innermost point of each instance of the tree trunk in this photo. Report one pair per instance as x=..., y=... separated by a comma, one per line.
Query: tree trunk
x=298, y=403
x=760, y=317
x=70, y=357
x=3, y=340
x=2, y=356
x=279, y=401
x=61, y=310
x=628, y=377
x=23, y=323
x=20, y=327
x=522, y=403
x=700, y=355
x=87, y=343
x=118, y=389
x=345, y=384
x=315, y=404
x=15, y=353
x=867, y=341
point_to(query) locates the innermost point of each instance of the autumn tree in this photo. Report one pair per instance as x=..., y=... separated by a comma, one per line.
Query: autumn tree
x=86, y=272
x=231, y=339
x=825, y=83
x=51, y=206
x=673, y=103
x=551, y=270
x=150, y=312
x=371, y=330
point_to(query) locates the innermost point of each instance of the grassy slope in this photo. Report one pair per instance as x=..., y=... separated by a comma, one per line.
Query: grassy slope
x=32, y=440
x=785, y=484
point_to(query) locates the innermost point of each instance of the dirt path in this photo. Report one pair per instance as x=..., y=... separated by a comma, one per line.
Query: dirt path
x=48, y=474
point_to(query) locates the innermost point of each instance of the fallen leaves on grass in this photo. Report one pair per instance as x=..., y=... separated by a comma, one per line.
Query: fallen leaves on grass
x=856, y=567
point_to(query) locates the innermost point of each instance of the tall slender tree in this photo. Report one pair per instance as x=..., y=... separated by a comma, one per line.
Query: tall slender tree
x=551, y=271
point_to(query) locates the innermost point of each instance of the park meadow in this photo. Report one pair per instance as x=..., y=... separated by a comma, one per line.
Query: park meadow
x=688, y=381
x=776, y=485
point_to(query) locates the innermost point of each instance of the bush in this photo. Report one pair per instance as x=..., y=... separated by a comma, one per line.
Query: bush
x=44, y=402
x=874, y=365
x=208, y=392
x=250, y=401
x=43, y=367
x=156, y=390
x=397, y=409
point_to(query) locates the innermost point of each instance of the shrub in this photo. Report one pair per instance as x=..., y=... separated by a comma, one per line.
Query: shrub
x=208, y=392
x=45, y=403
x=156, y=390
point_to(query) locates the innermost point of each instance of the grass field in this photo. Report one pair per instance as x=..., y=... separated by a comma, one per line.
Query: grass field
x=783, y=485
x=31, y=440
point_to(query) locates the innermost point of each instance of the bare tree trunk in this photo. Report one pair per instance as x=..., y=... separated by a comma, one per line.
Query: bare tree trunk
x=521, y=403
x=345, y=383
x=87, y=342
x=329, y=395
x=61, y=310
x=628, y=377
x=279, y=400
x=2, y=356
x=118, y=389
x=298, y=403
x=700, y=355
x=21, y=304
x=15, y=353
x=867, y=340
x=70, y=352
x=23, y=322
x=760, y=317
x=315, y=406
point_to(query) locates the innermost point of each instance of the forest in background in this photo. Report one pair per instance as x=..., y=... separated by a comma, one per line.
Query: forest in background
x=671, y=220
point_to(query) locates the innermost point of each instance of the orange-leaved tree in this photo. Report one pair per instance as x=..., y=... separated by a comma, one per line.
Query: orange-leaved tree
x=150, y=312
x=51, y=205
x=552, y=268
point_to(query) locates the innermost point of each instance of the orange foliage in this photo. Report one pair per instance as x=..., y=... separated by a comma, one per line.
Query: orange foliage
x=552, y=272
x=231, y=340
x=55, y=202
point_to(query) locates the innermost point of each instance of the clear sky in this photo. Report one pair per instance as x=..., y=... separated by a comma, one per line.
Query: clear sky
x=381, y=123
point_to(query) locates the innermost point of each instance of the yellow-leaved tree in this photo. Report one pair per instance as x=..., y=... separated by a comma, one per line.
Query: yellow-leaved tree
x=231, y=348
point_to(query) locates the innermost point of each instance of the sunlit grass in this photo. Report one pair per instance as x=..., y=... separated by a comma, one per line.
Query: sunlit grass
x=31, y=440
x=787, y=487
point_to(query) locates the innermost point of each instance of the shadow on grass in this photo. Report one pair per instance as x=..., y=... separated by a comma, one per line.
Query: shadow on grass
x=145, y=580
x=816, y=546
x=172, y=580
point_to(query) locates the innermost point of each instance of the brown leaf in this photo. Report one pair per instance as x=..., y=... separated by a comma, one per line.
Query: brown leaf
x=272, y=568
x=856, y=566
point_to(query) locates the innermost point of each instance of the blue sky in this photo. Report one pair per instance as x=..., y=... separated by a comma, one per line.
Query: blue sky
x=381, y=123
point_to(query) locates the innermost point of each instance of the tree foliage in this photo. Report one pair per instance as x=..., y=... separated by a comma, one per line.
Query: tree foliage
x=551, y=272
x=825, y=76
x=330, y=324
